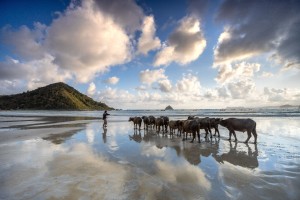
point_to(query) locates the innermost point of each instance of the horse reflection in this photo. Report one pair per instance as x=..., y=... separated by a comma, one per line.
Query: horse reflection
x=244, y=159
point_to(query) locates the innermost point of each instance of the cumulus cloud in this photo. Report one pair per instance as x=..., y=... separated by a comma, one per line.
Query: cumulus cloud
x=211, y=94
x=85, y=40
x=89, y=45
x=165, y=85
x=223, y=92
x=150, y=76
x=282, y=95
x=189, y=85
x=183, y=92
x=228, y=72
x=112, y=80
x=125, y=13
x=34, y=73
x=11, y=87
x=256, y=27
x=241, y=89
x=12, y=69
x=91, y=89
x=184, y=45
x=148, y=41
x=23, y=41
x=113, y=95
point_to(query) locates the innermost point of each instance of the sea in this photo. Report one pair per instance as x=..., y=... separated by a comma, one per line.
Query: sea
x=123, y=115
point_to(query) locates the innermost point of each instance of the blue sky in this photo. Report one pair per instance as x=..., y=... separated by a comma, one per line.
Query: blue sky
x=150, y=54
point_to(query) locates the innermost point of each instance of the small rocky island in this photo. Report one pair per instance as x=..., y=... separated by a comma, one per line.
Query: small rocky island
x=169, y=108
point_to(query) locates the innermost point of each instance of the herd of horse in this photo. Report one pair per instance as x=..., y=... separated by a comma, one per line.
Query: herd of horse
x=193, y=124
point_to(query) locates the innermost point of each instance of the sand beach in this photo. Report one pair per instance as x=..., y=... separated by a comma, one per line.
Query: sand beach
x=70, y=156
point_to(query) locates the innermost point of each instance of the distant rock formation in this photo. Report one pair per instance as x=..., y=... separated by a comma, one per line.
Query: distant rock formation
x=169, y=108
x=56, y=96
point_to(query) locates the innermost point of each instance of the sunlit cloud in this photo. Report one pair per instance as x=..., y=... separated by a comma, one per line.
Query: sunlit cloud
x=112, y=80
x=148, y=41
x=91, y=89
x=184, y=45
x=151, y=76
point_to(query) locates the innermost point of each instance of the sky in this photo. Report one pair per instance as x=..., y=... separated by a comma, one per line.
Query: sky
x=147, y=54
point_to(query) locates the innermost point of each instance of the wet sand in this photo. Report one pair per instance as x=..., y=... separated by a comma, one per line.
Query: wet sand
x=75, y=158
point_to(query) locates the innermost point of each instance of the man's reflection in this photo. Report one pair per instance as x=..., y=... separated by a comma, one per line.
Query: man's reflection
x=104, y=134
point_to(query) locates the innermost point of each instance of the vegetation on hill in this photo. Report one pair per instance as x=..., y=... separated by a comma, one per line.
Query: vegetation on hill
x=56, y=96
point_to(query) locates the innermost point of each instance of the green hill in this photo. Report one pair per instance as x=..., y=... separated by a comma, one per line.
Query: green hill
x=56, y=96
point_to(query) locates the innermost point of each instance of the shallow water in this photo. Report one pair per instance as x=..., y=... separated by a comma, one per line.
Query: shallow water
x=78, y=159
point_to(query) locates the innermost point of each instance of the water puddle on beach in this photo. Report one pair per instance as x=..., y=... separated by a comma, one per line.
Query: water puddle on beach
x=90, y=162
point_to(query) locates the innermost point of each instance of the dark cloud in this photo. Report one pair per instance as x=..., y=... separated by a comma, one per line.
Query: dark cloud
x=290, y=46
x=10, y=70
x=257, y=27
x=24, y=42
x=126, y=12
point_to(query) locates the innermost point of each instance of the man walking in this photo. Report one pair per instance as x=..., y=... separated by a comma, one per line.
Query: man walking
x=104, y=118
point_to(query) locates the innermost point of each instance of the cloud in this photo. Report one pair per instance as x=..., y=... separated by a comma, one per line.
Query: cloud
x=112, y=80
x=11, y=69
x=150, y=76
x=267, y=74
x=184, y=45
x=257, y=27
x=227, y=72
x=223, y=92
x=81, y=43
x=165, y=85
x=115, y=96
x=241, y=89
x=91, y=44
x=91, y=89
x=189, y=85
x=34, y=73
x=282, y=96
x=288, y=50
x=125, y=13
x=148, y=41
x=24, y=42
x=11, y=87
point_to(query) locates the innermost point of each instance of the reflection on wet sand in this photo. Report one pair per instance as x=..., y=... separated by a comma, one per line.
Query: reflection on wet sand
x=193, y=152
x=240, y=158
x=119, y=163
x=104, y=135
x=60, y=137
x=136, y=136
